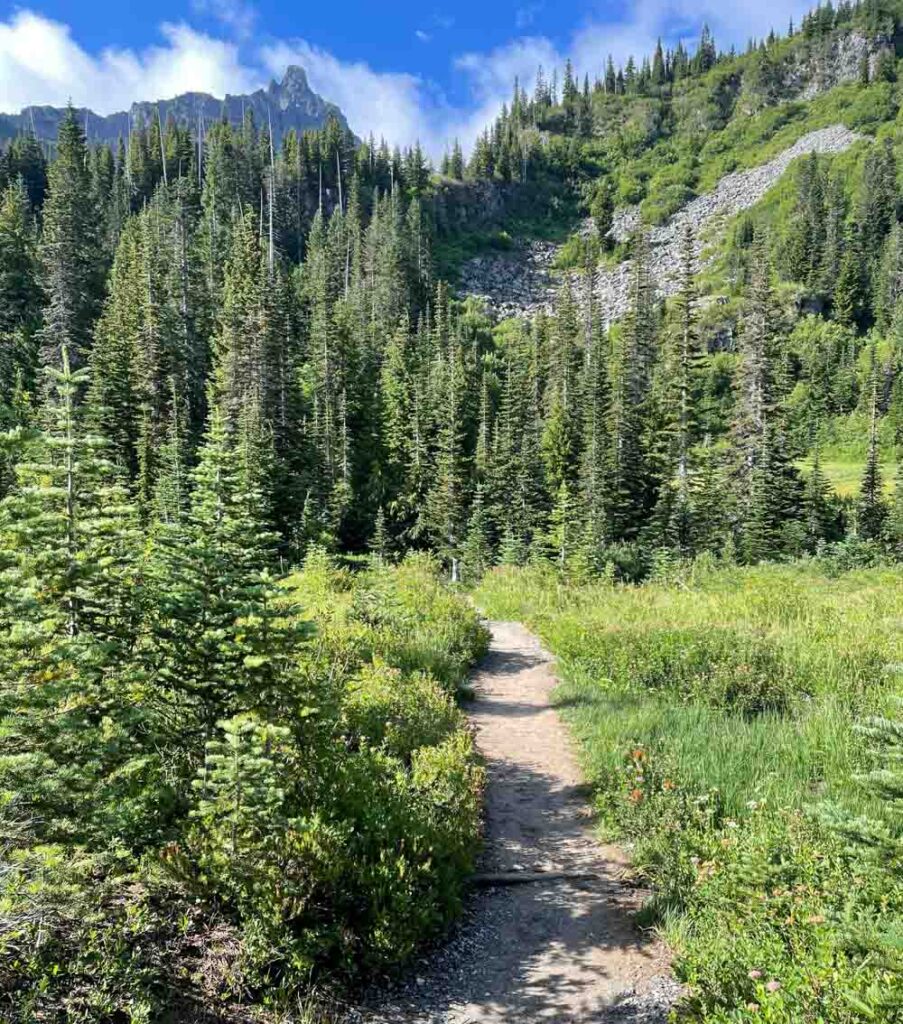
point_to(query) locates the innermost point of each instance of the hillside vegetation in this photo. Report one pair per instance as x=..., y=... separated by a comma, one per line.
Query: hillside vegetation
x=715, y=713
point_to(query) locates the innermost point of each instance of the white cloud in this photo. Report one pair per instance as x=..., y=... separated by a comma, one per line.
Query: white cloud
x=238, y=16
x=424, y=37
x=40, y=63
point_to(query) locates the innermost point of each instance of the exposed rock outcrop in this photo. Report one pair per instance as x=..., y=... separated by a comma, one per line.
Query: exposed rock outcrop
x=521, y=282
x=835, y=63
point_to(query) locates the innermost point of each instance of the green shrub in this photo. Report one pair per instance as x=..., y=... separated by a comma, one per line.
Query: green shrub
x=88, y=938
x=578, y=252
x=329, y=827
x=398, y=713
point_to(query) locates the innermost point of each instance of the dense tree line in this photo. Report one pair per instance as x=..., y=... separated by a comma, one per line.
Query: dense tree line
x=374, y=409
x=187, y=410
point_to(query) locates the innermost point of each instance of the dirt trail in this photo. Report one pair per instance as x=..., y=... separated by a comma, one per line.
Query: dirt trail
x=558, y=949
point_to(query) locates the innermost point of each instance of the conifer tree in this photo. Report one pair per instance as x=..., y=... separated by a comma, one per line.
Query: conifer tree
x=819, y=516
x=850, y=299
x=218, y=635
x=146, y=343
x=594, y=448
x=561, y=429
x=70, y=618
x=628, y=478
x=894, y=525
x=172, y=486
x=871, y=509
x=25, y=160
x=889, y=289
x=710, y=499
x=835, y=216
x=444, y=511
x=678, y=424
x=477, y=551
x=20, y=296
x=70, y=251
x=755, y=379
x=807, y=239
x=401, y=427
x=517, y=478
x=760, y=523
x=878, y=202
x=380, y=542
x=456, y=166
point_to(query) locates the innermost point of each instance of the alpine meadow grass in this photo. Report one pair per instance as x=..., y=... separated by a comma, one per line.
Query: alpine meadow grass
x=715, y=713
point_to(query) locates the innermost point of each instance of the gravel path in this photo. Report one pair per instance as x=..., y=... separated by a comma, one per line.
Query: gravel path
x=556, y=949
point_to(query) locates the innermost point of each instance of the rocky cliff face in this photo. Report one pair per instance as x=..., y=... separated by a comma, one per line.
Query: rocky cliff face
x=841, y=61
x=522, y=281
x=290, y=103
x=482, y=205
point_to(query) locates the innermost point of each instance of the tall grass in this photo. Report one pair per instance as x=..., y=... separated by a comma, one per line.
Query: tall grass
x=714, y=714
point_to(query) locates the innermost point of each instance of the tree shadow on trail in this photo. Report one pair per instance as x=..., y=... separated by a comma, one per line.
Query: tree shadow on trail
x=510, y=663
x=549, y=952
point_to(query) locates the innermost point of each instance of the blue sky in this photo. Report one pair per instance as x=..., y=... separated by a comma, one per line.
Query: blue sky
x=406, y=70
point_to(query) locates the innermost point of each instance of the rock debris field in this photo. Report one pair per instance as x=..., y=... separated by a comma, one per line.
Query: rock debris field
x=547, y=934
x=521, y=282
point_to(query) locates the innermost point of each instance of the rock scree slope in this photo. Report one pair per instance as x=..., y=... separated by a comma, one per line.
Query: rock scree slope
x=560, y=948
x=521, y=282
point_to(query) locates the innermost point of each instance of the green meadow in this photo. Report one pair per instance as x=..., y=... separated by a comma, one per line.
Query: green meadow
x=715, y=717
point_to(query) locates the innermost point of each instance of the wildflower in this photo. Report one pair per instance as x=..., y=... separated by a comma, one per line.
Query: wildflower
x=636, y=796
x=668, y=784
x=755, y=975
x=752, y=1007
x=772, y=986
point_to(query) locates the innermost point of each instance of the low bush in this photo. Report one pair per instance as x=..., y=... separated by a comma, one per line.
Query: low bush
x=324, y=830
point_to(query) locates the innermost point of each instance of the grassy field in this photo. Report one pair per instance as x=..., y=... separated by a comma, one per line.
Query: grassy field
x=846, y=477
x=715, y=717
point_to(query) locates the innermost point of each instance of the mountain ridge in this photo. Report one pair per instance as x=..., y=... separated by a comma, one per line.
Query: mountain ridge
x=286, y=104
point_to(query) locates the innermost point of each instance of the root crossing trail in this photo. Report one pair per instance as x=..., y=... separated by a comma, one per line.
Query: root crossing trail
x=560, y=947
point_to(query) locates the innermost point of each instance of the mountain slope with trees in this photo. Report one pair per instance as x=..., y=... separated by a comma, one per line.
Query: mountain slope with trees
x=222, y=356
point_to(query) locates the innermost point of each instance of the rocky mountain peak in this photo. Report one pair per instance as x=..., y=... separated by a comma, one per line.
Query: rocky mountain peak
x=293, y=81
x=286, y=104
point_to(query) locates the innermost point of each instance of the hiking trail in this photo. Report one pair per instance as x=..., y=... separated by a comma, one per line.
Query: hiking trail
x=547, y=933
